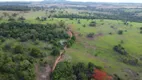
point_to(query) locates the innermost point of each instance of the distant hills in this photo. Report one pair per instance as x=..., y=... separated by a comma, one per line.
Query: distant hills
x=55, y=0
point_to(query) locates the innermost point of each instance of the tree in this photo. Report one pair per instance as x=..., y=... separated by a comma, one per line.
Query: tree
x=18, y=49
x=69, y=43
x=21, y=18
x=55, y=51
x=62, y=24
x=90, y=35
x=120, y=32
x=38, y=18
x=141, y=32
x=9, y=67
x=126, y=23
x=11, y=19
x=2, y=60
x=14, y=14
x=93, y=23
x=43, y=18
x=140, y=28
x=24, y=65
x=63, y=71
x=73, y=38
x=7, y=47
x=84, y=25
x=35, y=52
x=26, y=75
x=91, y=67
x=78, y=22
x=120, y=49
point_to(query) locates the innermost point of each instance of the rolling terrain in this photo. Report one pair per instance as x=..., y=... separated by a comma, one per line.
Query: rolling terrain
x=107, y=35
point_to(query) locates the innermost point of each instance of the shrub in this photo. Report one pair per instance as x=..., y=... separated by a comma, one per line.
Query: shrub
x=93, y=23
x=140, y=28
x=21, y=18
x=11, y=19
x=90, y=35
x=141, y=32
x=7, y=47
x=84, y=25
x=120, y=49
x=120, y=32
x=56, y=51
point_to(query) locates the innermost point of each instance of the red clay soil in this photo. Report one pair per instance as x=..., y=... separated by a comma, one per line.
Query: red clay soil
x=101, y=75
x=57, y=61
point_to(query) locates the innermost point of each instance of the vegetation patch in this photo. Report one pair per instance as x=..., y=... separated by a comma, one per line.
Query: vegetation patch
x=17, y=57
x=79, y=71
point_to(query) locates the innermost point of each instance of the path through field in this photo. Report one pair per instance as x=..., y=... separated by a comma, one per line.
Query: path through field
x=43, y=73
x=61, y=53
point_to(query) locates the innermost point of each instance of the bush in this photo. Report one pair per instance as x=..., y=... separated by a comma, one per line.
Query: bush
x=11, y=19
x=6, y=47
x=120, y=49
x=56, y=51
x=90, y=35
x=141, y=32
x=93, y=23
x=130, y=60
x=21, y=18
x=78, y=22
x=84, y=25
x=120, y=32
x=140, y=28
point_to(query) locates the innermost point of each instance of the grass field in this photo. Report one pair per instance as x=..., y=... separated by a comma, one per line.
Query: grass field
x=85, y=50
x=99, y=50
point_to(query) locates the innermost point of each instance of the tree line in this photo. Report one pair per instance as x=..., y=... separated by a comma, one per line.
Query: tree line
x=15, y=8
x=81, y=71
x=26, y=31
x=114, y=14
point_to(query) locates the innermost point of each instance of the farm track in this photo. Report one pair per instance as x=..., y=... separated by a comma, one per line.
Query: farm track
x=47, y=70
x=58, y=59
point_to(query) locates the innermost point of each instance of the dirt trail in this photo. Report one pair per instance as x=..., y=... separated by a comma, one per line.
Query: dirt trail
x=61, y=53
x=44, y=72
x=57, y=61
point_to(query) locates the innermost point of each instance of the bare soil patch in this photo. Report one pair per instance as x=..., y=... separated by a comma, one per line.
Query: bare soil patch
x=131, y=74
x=43, y=73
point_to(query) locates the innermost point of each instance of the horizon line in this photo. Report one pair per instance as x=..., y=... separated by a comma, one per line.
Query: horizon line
x=76, y=1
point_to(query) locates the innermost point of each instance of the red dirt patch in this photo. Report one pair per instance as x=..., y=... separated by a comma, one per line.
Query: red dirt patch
x=101, y=75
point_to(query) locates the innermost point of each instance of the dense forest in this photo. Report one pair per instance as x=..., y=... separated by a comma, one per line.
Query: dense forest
x=17, y=60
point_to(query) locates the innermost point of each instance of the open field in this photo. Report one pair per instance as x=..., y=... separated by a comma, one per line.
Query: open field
x=100, y=49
